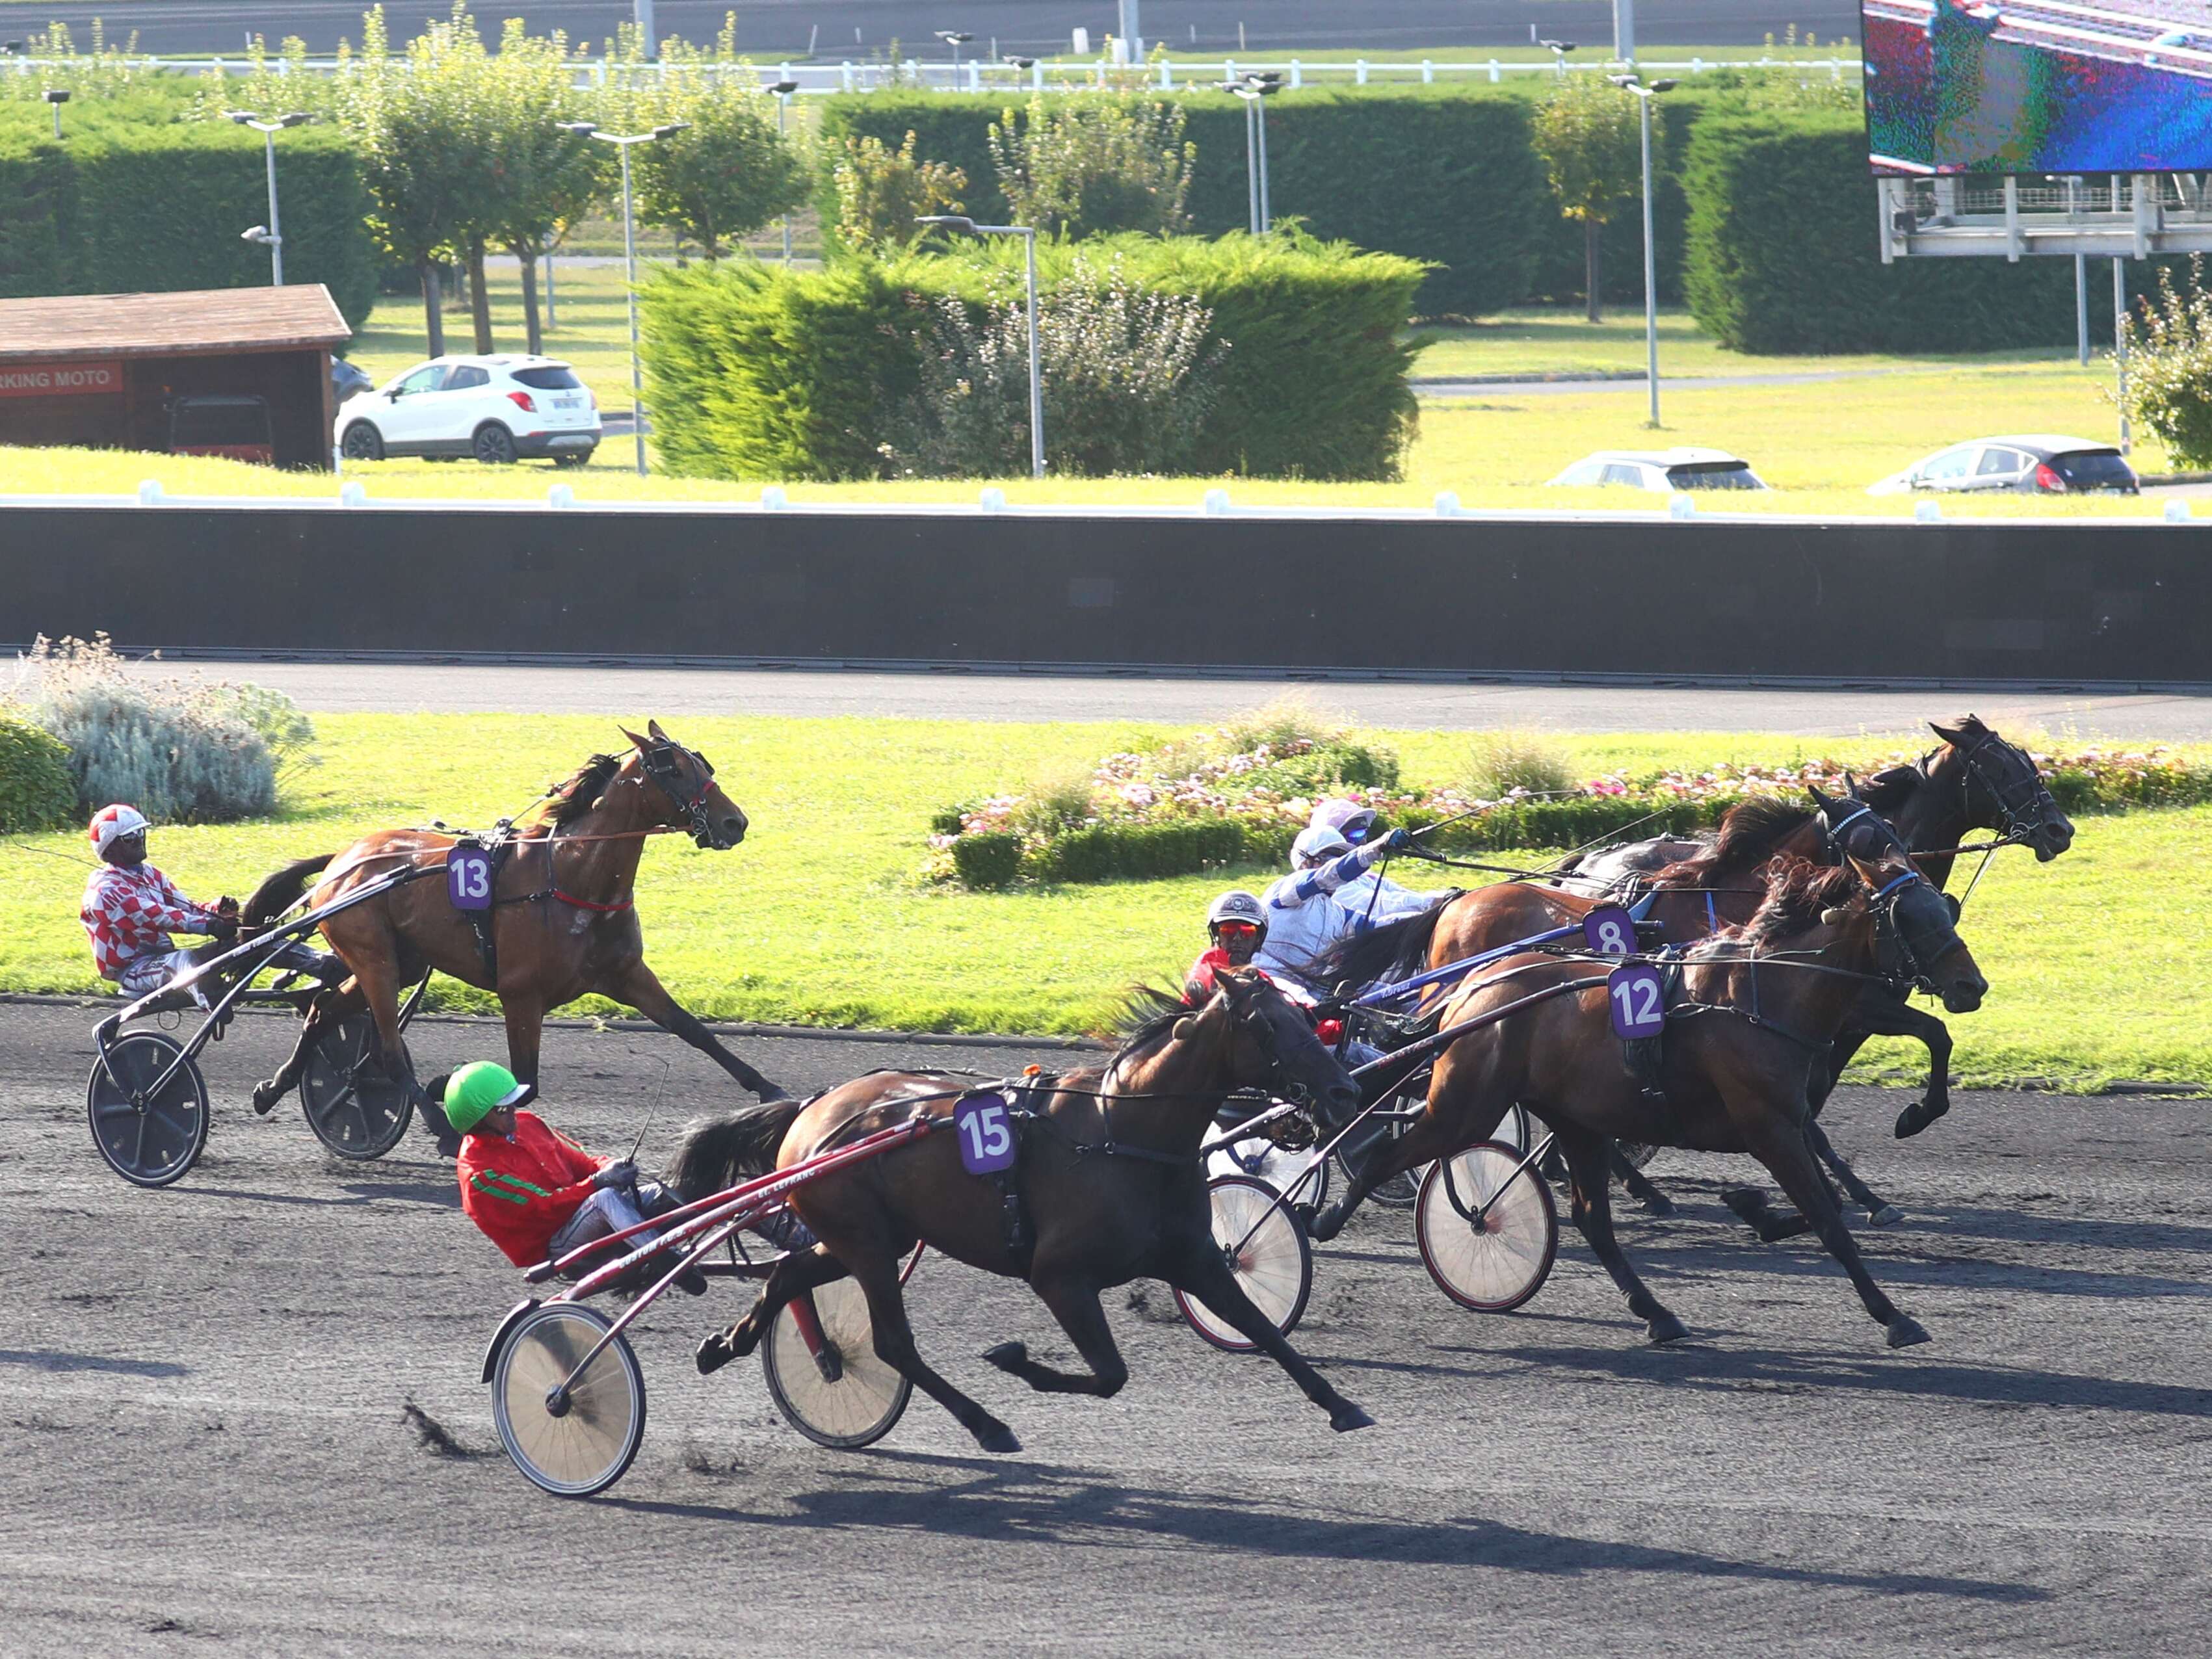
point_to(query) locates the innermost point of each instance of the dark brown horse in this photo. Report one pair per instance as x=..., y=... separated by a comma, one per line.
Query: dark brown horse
x=1108, y=1172
x=564, y=922
x=1746, y=1033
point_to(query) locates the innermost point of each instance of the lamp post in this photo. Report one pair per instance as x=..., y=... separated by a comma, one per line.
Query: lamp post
x=962, y=225
x=622, y=142
x=57, y=96
x=272, y=236
x=1558, y=49
x=1255, y=89
x=955, y=38
x=1644, y=94
x=783, y=90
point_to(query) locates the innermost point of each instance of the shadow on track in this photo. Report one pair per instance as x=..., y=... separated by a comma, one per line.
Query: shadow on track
x=52, y=1360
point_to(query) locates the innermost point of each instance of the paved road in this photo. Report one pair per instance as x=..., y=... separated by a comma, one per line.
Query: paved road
x=202, y=1391
x=389, y=687
x=778, y=29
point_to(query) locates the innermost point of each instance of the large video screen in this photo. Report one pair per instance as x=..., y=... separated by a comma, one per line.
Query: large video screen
x=2039, y=86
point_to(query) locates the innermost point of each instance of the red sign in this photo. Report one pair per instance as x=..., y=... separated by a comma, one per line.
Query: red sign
x=59, y=379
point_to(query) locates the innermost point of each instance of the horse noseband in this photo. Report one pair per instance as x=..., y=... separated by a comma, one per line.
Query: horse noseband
x=660, y=766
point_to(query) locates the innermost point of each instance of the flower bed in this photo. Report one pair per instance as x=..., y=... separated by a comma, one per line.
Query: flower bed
x=1183, y=809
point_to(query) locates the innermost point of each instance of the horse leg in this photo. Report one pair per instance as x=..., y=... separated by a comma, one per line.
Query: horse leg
x=1903, y=1020
x=524, y=1015
x=795, y=1275
x=877, y=1269
x=1782, y=1147
x=1590, y=1166
x=1201, y=1272
x=326, y=1006
x=1654, y=1201
x=638, y=986
x=1074, y=1302
x=1879, y=1211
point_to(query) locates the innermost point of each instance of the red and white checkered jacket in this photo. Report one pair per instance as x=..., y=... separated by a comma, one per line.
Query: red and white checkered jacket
x=128, y=913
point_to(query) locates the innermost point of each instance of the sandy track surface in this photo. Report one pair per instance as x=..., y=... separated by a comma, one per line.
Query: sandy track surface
x=204, y=1393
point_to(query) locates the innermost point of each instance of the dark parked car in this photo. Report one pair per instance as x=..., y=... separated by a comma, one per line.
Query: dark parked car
x=2041, y=463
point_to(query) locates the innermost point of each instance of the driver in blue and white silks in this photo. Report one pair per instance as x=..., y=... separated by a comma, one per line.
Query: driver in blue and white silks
x=1307, y=909
x=1372, y=896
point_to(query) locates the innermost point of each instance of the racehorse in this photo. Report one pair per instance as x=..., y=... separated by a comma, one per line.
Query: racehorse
x=1107, y=1171
x=1975, y=781
x=1746, y=1033
x=563, y=921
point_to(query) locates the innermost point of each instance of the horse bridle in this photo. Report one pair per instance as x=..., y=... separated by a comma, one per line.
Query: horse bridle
x=2024, y=805
x=1891, y=945
x=667, y=774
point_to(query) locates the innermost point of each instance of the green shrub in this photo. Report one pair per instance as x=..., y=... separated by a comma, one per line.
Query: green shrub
x=1094, y=166
x=2170, y=367
x=37, y=791
x=987, y=860
x=763, y=371
x=881, y=192
x=1140, y=851
x=1441, y=174
x=136, y=198
x=1498, y=762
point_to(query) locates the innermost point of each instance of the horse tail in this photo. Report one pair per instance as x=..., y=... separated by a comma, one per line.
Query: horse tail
x=718, y=1152
x=282, y=890
x=1381, y=951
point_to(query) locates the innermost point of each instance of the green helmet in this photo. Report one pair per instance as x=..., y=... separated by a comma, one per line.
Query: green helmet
x=478, y=1089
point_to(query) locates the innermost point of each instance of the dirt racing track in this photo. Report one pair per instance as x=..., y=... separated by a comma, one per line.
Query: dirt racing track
x=242, y=1415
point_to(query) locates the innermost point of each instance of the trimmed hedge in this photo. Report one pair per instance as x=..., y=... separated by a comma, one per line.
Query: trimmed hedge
x=1783, y=257
x=135, y=199
x=763, y=371
x=37, y=790
x=1441, y=174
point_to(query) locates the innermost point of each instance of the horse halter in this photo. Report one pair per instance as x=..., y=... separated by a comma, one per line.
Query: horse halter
x=2024, y=805
x=1892, y=945
x=667, y=774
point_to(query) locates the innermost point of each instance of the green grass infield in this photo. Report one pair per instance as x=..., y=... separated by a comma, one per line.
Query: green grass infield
x=820, y=917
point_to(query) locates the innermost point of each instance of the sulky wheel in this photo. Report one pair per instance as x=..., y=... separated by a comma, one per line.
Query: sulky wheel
x=1273, y=1265
x=353, y=1107
x=1301, y=1177
x=148, y=1137
x=1496, y=1264
x=824, y=1373
x=582, y=1443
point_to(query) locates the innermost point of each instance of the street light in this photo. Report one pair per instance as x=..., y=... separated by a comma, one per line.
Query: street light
x=1253, y=88
x=622, y=142
x=270, y=236
x=57, y=96
x=1644, y=94
x=783, y=90
x=960, y=224
x=1558, y=49
x=956, y=39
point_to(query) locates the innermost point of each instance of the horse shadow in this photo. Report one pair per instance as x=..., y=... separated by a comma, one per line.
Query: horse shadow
x=1024, y=1502
x=55, y=1359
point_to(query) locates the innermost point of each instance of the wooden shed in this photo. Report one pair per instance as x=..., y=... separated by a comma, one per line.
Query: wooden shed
x=191, y=372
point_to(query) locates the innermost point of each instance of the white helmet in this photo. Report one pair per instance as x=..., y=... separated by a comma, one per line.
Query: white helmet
x=1316, y=844
x=111, y=823
x=1236, y=905
x=1354, y=822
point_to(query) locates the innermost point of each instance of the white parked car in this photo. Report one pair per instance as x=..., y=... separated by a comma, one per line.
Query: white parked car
x=1665, y=470
x=2026, y=463
x=499, y=410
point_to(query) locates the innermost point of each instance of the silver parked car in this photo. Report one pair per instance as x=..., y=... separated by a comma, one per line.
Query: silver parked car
x=2035, y=464
x=1664, y=470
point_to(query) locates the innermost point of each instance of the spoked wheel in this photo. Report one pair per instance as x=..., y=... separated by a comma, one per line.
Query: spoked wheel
x=1273, y=1265
x=1300, y=1175
x=355, y=1108
x=148, y=1137
x=1495, y=1265
x=822, y=1372
x=583, y=1444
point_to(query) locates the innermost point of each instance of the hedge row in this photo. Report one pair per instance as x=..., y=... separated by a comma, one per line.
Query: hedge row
x=131, y=199
x=758, y=371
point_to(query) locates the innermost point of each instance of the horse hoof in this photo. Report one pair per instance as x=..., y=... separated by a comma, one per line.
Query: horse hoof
x=449, y=1145
x=1888, y=1216
x=1906, y=1332
x=776, y=1094
x=1659, y=1205
x=1349, y=1416
x=1748, y=1202
x=997, y=1437
x=1666, y=1329
x=265, y=1097
x=1918, y=1115
x=1008, y=1356
x=713, y=1353
x=1324, y=1225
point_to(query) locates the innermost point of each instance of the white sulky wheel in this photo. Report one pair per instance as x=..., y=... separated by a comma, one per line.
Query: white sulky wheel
x=1274, y=1268
x=149, y=1138
x=1496, y=1266
x=1302, y=1175
x=835, y=1390
x=353, y=1108
x=586, y=1447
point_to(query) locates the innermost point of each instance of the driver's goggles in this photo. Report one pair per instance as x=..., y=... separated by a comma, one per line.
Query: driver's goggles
x=1236, y=930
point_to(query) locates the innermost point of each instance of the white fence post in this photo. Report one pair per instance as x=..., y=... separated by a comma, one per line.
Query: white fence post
x=1495, y=75
x=1428, y=72
x=1297, y=75
x=1359, y=73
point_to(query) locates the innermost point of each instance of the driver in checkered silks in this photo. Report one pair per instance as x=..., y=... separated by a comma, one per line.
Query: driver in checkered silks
x=131, y=908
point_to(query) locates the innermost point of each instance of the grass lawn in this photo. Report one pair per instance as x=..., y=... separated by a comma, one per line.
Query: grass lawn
x=820, y=917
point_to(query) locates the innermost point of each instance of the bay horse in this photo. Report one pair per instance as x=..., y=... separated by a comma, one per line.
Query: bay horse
x=1747, y=1032
x=1109, y=1170
x=563, y=919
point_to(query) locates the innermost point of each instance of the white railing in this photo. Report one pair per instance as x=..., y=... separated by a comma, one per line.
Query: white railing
x=978, y=75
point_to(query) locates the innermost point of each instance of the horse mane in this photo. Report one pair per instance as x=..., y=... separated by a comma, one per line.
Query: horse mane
x=1797, y=891
x=1147, y=1012
x=1751, y=830
x=570, y=801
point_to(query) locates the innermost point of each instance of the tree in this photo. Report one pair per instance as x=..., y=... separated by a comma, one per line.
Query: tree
x=1588, y=133
x=2169, y=363
x=540, y=177
x=731, y=172
x=1090, y=167
x=881, y=192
